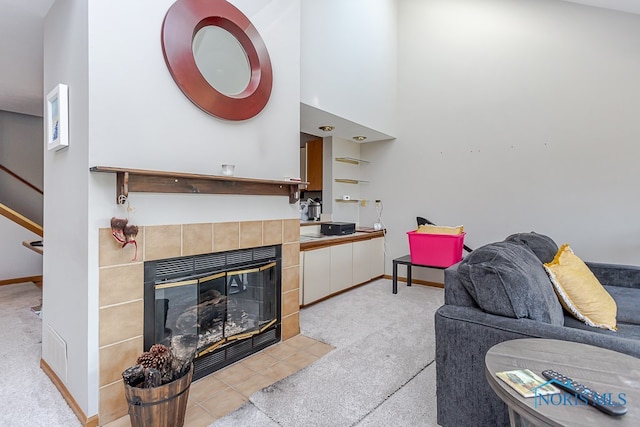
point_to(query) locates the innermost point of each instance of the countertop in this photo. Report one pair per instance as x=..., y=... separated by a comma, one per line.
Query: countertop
x=305, y=223
x=317, y=241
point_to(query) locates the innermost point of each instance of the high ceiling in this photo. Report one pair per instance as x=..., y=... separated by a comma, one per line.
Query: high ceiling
x=21, y=52
x=632, y=6
x=21, y=42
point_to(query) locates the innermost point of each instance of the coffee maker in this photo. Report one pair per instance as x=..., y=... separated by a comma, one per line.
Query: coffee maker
x=314, y=210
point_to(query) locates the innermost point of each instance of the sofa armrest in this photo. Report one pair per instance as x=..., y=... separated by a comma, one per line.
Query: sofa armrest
x=463, y=337
x=627, y=276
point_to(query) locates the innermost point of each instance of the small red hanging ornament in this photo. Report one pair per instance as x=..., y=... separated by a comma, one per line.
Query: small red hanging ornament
x=124, y=233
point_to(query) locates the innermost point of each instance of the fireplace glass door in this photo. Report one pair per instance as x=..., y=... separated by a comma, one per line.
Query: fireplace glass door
x=199, y=315
x=251, y=300
x=217, y=308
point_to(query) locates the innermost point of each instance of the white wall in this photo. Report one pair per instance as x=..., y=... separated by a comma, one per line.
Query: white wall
x=135, y=116
x=16, y=260
x=344, y=211
x=515, y=116
x=168, y=132
x=68, y=297
x=21, y=151
x=348, y=64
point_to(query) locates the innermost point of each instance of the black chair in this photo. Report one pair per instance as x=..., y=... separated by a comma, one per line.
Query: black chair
x=425, y=221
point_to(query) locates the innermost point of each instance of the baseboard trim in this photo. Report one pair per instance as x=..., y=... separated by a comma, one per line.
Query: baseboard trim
x=87, y=422
x=417, y=282
x=37, y=280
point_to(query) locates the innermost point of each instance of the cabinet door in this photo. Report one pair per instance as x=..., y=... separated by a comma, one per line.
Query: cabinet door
x=377, y=256
x=301, y=278
x=341, y=267
x=362, y=261
x=314, y=165
x=316, y=283
x=303, y=163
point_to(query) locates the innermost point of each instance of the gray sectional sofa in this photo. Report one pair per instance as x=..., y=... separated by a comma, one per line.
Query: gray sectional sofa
x=501, y=292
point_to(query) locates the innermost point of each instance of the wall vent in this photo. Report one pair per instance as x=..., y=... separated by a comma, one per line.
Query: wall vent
x=56, y=349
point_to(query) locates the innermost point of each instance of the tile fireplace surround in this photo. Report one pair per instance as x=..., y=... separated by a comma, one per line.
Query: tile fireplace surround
x=122, y=289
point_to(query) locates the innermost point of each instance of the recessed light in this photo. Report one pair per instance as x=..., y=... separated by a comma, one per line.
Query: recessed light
x=327, y=128
x=359, y=138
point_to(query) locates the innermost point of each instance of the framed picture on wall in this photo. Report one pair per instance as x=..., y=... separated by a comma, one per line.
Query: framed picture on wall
x=57, y=118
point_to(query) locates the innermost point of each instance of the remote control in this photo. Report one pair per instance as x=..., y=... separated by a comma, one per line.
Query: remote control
x=595, y=399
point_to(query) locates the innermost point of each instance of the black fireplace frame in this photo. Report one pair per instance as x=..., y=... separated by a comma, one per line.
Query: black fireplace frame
x=197, y=266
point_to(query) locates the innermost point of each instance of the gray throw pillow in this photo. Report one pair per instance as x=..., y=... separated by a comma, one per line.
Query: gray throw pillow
x=543, y=246
x=507, y=279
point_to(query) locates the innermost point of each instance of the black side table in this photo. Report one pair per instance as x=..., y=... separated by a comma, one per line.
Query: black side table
x=406, y=260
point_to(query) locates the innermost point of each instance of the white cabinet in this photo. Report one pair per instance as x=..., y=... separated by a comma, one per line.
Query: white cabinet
x=341, y=267
x=368, y=260
x=335, y=268
x=301, y=279
x=362, y=261
x=326, y=271
x=316, y=281
x=377, y=257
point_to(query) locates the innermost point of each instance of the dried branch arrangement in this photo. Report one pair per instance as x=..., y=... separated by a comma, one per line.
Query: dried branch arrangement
x=124, y=233
x=160, y=365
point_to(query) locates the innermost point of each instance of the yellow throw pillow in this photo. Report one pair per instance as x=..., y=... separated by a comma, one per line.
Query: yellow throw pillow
x=580, y=292
x=439, y=229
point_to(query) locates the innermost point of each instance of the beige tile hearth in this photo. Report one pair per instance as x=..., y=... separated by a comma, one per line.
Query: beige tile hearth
x=225, y=391
x=223, y=402
x=162, y=241
x=197, y=239
x=122, y=303
x=226, y=236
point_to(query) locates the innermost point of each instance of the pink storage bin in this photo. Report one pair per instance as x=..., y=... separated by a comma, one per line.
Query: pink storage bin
x=438, y=250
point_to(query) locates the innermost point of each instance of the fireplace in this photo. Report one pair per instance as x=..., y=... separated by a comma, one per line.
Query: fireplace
x=221, y=306
x=121, y=293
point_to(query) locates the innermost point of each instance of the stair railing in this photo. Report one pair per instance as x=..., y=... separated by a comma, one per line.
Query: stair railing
x=21, y=220
x=16, y=217
x=21, y=179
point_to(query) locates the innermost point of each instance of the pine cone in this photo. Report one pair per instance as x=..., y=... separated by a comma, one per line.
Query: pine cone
x=160, y=353
x=146, y=359
x=159, y=349
x=160, y=361
x=161, y=358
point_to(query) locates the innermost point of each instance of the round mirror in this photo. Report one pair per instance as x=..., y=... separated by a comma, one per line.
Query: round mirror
x=221, y=60
x=217, y=58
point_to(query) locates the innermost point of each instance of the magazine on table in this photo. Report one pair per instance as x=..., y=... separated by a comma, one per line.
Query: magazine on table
x=527, y=383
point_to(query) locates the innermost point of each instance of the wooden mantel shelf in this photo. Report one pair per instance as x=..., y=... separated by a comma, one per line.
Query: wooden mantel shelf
x=150, y=181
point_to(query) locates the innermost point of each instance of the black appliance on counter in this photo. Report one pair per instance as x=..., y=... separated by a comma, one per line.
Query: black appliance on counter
x=337, y=228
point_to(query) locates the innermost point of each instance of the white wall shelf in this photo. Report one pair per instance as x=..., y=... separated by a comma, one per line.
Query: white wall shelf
x=350, y=181
x=351, y=160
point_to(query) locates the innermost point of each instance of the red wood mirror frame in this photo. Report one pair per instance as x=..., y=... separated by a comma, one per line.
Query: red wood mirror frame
x=182, y=22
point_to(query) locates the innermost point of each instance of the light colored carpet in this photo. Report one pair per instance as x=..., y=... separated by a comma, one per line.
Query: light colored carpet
x=382, y=372
x=28, y=397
